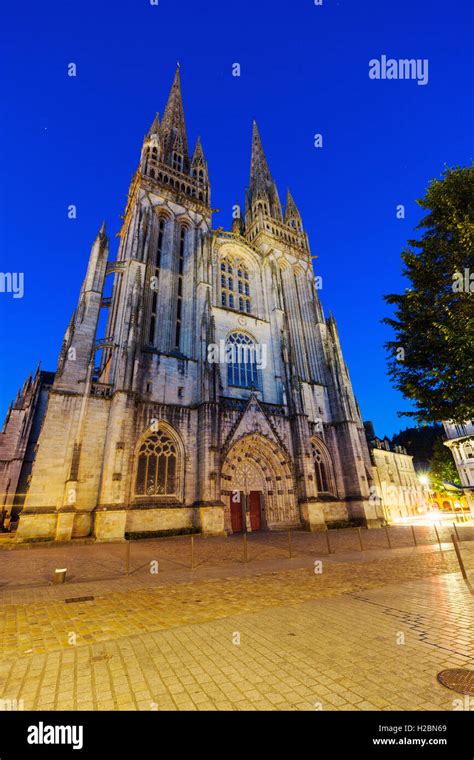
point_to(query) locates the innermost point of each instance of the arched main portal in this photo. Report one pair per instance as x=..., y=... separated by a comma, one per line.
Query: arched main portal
x=257, y=486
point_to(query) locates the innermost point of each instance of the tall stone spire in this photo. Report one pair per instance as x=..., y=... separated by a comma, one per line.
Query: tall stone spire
x=262, y=196
x=173, y=129
x=79, y=340
x=259, y=170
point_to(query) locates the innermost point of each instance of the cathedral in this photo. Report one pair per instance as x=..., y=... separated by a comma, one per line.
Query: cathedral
x=218, y=400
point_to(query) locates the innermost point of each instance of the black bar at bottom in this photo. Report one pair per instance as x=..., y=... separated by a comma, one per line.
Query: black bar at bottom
x=137, y=734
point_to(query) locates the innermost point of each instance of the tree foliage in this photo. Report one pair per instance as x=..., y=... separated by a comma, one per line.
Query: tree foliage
x=442, y=467
x=433, y=319
x=419, y=442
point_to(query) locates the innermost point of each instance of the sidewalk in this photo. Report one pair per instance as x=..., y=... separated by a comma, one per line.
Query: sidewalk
x=169, y=560
x=37, y=619
x=33, y=580
x=288, y=640
x=354, y=630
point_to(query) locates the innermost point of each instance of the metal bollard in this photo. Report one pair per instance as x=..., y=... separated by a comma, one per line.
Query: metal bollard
x=328, y=541
x=127, y=558
x=437, y=536
x=414, y=535
x=360, y=539
x=388, y=537
x=60, y=575
x=458, y=555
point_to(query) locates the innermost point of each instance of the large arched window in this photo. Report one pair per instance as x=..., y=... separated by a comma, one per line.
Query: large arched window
x=158, y=466
x=235, y=285
x=241, y=361
x=322, y=469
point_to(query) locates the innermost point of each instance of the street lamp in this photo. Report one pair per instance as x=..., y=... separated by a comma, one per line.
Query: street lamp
x=425, y=482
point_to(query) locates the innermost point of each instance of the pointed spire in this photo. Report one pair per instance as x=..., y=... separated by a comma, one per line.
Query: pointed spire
x=290, y=206
x=198, y=155
x=26, y=385
x=238, y=226
x=101, y=233
x=258, y=164
x=292, y=215
x=97, y=261
x=262, y=192
x=155, y=127
x=172, y=123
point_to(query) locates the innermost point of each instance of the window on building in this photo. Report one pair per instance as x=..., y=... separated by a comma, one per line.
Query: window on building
x=155, y=280
x=157, y=469
x=177, y=161
x=323, y=469
x=235, y=285
x=241, y=361
x=179, y=300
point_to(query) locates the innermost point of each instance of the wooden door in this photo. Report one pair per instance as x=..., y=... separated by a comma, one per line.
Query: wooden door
x=254, y=509
x=236, y=511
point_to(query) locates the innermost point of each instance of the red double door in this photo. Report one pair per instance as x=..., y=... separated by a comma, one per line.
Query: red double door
x=237, y=505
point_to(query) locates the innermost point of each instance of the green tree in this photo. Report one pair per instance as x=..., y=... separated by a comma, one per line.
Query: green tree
x=431, y=359
x=442, y=467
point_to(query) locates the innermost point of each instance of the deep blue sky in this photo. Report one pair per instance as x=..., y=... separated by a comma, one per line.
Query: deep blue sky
x=304, y=69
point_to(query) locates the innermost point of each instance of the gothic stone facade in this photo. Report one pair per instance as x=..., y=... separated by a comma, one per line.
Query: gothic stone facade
x=144, y=433
x=18, y=440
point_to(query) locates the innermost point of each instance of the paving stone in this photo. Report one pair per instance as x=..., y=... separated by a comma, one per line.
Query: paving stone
x=304, y=638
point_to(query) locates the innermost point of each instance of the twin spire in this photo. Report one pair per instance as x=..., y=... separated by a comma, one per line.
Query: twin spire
x=259, y=171
x=262, y=194
x=171, y=131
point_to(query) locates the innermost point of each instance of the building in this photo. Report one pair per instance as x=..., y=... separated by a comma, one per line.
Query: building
x=218, y=400
x=18, y=440
x=396, y=486
x=460, y=441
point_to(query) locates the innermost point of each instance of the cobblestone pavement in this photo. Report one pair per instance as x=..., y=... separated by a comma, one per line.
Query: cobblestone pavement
x=370, y=631
x=33, y=564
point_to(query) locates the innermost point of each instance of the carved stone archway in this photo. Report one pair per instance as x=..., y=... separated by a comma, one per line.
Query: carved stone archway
x=256, y=463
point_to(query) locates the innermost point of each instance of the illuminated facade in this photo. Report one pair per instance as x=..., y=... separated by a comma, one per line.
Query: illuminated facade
x=396, y=483
x=218, y=399
x=460, y=442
